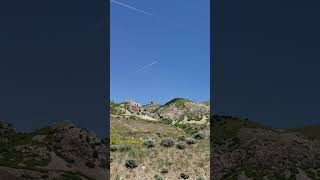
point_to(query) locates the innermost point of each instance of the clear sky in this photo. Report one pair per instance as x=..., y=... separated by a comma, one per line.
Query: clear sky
x=53, y=64
x=266, y=61
x=160, y=53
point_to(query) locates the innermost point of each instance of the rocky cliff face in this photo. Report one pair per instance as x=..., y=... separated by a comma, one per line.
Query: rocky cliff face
x=133, y=107
x=151, y=108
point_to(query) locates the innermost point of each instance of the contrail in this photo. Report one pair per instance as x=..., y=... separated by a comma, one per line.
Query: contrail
x=144, y=67
x=130, y=7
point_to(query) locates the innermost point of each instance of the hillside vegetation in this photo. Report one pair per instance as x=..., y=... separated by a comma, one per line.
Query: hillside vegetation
x=147, y=144
x=60, y=151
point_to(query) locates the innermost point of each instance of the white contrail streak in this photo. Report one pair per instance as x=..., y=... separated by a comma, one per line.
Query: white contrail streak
x=130, y=7
x=144, y=67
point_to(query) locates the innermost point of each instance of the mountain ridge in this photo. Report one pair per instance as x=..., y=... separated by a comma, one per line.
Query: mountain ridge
x=178, y=110
x=58, y=151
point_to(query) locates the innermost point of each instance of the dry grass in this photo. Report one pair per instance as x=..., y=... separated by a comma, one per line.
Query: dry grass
x=194, y=159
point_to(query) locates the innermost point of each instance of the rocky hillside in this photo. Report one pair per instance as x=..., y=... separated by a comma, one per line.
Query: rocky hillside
x=60, y=151
x=246, y=150
x=155, y=141
x=178, y=110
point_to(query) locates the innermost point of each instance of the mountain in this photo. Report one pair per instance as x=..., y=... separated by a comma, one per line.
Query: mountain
x=60, y=151
x=155, y=141
x=176, y=111
x=243, y=149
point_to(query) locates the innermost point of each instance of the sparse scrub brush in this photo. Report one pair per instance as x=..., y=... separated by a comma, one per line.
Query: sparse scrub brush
x=190, y=141
x=124, y=147
x=198, y=136
x=164, y=171
x=131, y=164
x=181, y=145
x=201, y=178
x=167, y=142
x=184, y=175
x=157, y=177
x=121, y=147
x=149, y=143
x=181, y=138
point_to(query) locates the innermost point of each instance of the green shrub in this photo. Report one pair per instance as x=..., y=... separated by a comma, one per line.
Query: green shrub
x=184, y=175
x=131, y=164
x=190, y=141
x=167, y=142
x=198, y=136
x=149, y=143
x=167, y=121
x=69, y=160
x=201, y=178
x=113, y=148
x=181, y=138
x=181, y=145
x=157, y=177
x=120, y=147
x=124, y=147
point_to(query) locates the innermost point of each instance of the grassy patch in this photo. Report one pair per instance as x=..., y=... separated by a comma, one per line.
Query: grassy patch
x=116, y=140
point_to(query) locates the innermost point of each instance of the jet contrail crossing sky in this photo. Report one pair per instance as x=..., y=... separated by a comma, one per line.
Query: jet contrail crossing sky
x=130, y=7
x=144, y=67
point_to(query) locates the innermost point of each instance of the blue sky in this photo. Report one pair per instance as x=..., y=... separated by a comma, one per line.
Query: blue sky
x=176, y=35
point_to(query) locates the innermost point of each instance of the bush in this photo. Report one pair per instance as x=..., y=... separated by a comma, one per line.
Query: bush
x=167, y=121
x=198, y=135
x=149, y=143
x=131, y=164
x=124, y=147
x=113, y=148
x=181, y=138
x=201, y=178
x=164, y=171
x=121, y=147
x=181, y=145
x=157, y=177
x=167, y=142
x=190, y=141
x=184, y=175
